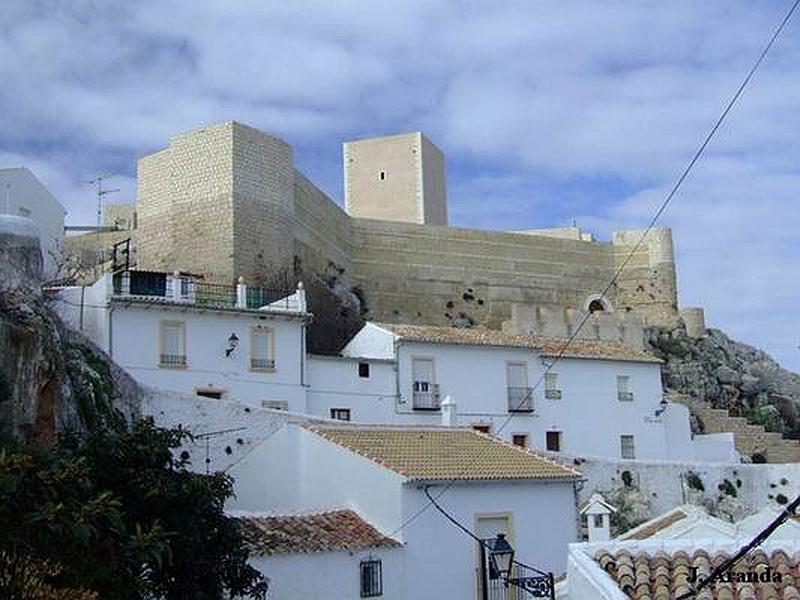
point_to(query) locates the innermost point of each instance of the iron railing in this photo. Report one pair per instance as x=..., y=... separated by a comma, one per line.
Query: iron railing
x=524, y=582
x=426, y=396
x=625, y=396
x=262, y=364
x=172, y=360
x=520, y=399
x=188, y=290
x=552, y=394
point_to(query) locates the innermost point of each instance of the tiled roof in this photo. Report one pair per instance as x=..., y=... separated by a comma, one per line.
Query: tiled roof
x=336, y=530
x=443, y=453
x=478, y=336
x=663, y=575
x=654, y=526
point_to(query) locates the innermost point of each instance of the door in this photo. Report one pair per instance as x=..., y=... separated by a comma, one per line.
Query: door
x=553, y=441
x=491, y=587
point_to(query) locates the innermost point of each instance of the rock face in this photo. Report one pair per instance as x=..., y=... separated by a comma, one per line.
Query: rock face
x=731, y=375
x=51, y=379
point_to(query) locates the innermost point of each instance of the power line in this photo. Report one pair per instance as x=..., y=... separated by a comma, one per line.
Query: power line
x=787, y=513
x=665, y=203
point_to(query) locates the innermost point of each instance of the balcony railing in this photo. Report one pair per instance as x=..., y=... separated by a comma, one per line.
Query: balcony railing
x=188, y=290
x=174, y=361
x=552, y=394
x=520, y=399
x=625, y=396
x=428, y=399
x=262, y=364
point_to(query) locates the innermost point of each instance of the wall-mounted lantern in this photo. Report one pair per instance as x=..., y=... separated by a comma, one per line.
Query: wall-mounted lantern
x=233, y=341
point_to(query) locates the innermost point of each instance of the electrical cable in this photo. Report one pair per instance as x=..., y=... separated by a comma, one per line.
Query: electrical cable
x=759, y=539
x=665, y=203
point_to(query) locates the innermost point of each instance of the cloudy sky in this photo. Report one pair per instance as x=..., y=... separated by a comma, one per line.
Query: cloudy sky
x=548, y=111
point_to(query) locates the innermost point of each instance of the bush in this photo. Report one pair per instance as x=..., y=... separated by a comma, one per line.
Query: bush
x=781, y=499
x=627, y=478
x=726, y=487
x=694, y=482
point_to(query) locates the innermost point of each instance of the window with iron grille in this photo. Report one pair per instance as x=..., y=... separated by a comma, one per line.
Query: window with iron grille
x=173, y=345
x=627, y=449
x=551, y=391
x=371, y=579
x=262, y=349
x=624, y=392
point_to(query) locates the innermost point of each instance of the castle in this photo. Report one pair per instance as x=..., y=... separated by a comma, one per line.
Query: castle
x=226, y=201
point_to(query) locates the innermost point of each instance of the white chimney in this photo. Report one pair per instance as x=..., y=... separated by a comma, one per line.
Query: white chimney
x=598, y=518
x=449, y=412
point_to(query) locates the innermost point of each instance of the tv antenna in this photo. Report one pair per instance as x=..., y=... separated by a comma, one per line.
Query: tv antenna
x=98, y=183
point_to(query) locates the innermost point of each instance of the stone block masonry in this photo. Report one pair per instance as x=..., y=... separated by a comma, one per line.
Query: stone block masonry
x=225, y=201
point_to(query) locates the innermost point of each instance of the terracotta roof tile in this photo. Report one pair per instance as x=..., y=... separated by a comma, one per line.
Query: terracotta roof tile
x=443, y=453
x=336, y=530
x=658, y=575
x=478, y=336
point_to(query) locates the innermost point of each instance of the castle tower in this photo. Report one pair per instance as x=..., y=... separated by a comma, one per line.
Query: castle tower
x=395, y=178
x=219, y=201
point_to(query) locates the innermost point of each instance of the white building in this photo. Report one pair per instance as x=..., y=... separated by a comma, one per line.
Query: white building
x=179, y=334
x=599, y=398
x=22, y=194
x=382, y=474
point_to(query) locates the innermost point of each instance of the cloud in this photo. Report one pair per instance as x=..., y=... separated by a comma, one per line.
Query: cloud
x=547, y=111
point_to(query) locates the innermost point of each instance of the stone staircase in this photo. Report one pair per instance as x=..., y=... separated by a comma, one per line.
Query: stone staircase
x=748, y=439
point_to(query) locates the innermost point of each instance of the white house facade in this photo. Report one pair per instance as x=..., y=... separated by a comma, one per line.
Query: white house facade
x=22, y=194
x=598, y=398
x=178, y=334
x=382, y=473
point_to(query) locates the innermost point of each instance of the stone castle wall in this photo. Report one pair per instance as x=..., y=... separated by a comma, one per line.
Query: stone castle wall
x=225, y=201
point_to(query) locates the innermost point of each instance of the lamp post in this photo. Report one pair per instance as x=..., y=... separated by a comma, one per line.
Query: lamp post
x=501, y=557
x=233, y=341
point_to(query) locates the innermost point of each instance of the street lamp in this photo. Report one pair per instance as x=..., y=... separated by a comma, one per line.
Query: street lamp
x=233, y=341
x=502, y=556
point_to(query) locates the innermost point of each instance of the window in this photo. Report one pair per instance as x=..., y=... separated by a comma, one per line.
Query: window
x=262, y=349
x=382, y=175
x=425, y=392
x=483, y=428
x=596, y=306
x=275, y=404
x=517, y=390
x=624, y=392
x=340, y=414
x=553, y=441
x=363, y=370
x=551, y=391
x=210, y=393
x=627, y=449
x=598, y=521
x=172, y=354
x=520, y=439
x=371, y=579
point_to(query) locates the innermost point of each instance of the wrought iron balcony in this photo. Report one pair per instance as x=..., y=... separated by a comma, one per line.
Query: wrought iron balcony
x=552, y=394
x=428, y=399
x=625, y=396
x=262, y=364
x=520, y=399
x=173, y=361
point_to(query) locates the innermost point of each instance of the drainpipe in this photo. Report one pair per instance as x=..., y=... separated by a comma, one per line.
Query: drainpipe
x=396, y=345
x=110, y=331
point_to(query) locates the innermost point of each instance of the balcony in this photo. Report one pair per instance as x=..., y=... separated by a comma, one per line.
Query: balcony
x=172, y=361
x=186, y=289
x=625, y=396
x=552, y=394
x=520, y=399
x=428, y=399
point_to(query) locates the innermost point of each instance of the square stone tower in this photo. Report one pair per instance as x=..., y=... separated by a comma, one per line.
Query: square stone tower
x=395, y=178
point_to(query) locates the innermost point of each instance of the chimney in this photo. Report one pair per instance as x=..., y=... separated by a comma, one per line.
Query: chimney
x=449, y=412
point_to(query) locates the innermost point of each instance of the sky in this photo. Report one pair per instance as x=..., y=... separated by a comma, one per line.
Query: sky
x=547, y=111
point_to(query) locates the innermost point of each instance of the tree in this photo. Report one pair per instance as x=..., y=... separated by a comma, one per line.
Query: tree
x=112, y=512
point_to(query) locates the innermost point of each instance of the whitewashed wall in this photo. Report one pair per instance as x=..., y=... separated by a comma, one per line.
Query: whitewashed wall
x=22, y=194
x=333, y=382
x=441, y=560
x=330, y=575
x=135, y=346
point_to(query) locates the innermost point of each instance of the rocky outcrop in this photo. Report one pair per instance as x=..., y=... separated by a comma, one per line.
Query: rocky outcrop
x=729, y=375
x=51, y=378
